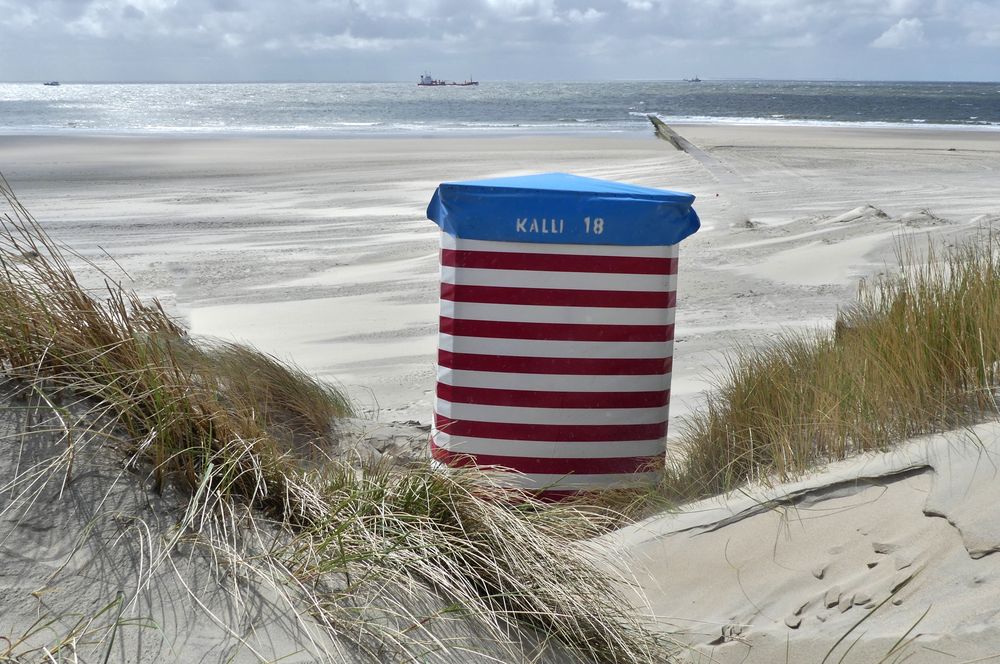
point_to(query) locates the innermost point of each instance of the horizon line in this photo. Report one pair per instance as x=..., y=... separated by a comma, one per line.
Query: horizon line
x=481, y=81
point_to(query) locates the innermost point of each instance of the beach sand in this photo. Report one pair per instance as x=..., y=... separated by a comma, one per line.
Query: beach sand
x=316, y=250
x=319, y=251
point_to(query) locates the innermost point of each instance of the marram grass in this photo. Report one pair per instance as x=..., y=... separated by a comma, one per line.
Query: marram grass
x=918, y=353
x=234, y=428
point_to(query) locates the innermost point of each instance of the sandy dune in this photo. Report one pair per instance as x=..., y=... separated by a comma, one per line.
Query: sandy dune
x=97, y=565
x=867, y=548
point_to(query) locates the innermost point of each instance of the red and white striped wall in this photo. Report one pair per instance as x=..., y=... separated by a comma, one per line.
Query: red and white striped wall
x=554, y=361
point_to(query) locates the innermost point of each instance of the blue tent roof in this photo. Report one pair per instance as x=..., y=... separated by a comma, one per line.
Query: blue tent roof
x=564, y=209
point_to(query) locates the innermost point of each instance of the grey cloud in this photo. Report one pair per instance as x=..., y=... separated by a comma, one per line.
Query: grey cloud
x=507, y=38
x=226, y=5
x=132, y=13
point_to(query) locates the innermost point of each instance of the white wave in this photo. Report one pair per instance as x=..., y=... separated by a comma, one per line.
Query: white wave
x=708, y=119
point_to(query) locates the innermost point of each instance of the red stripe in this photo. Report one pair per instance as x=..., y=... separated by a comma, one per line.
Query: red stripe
x=555, y=331
x=545, y=399
x=501, y=260
x=562, y=297
x=567, y=366
x=546, y=466
x=551, y=432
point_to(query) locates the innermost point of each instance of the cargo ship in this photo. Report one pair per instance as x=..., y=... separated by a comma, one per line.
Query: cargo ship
x=429, y=81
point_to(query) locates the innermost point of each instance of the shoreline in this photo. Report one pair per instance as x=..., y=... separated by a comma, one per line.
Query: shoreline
x=371, y=130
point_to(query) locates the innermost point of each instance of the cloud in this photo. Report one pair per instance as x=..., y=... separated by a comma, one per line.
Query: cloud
x=18, y=18
x=903, y=7
x=981, y=21
x=907, y=33
x=587, y=16
x=133, y=13
x=343, y=41
x=499, y=38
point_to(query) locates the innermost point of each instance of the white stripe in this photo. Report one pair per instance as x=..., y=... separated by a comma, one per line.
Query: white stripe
x=549, y=450
x=575, y=482
x=451, y=242
x=557, y=416
x=572, y=349
x=552, y=382
x=473, y=276
x=534, y=482
x=529, y=313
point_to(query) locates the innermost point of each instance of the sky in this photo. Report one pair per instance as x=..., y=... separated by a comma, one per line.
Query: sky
x=396, y=40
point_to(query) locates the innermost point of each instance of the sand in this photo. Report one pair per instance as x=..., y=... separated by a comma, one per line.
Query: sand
x=875, y=548
x=84, y=553
x=318, y=250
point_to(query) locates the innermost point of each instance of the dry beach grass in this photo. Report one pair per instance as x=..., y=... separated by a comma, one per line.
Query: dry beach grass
x=918, y=353
x=344, y=547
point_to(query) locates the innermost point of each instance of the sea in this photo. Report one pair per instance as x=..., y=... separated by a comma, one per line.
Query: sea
x=492, y=107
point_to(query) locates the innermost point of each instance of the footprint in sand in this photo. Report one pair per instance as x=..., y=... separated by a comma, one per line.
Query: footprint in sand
x=793, y=621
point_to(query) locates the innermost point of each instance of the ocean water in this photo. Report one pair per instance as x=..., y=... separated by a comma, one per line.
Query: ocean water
x=359, y=109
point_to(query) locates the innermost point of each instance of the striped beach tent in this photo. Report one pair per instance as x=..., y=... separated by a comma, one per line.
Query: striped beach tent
x=556, y=329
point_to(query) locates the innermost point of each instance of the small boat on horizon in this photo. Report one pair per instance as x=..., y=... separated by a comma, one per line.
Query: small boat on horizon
x=693, y=80
x=428, y=81
x=51, y=83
